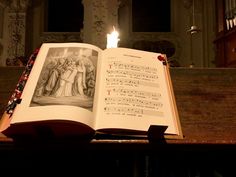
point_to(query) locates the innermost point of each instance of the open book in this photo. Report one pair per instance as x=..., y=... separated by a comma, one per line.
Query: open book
x=77, y=88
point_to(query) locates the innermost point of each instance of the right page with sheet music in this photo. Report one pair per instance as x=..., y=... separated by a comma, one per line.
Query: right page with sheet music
x=135, y=92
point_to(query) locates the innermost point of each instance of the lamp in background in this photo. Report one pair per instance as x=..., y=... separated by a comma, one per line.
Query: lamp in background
x=193, y=30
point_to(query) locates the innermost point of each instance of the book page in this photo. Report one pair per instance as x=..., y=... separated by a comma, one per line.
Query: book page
x=61, y=85
x=134, y=93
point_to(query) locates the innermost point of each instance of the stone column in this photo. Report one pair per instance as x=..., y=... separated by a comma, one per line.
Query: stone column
x=3, y=5
x=99, y=17
x=14, y=32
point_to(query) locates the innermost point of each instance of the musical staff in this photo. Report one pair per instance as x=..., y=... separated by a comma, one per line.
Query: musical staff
x=118, y=65
x=133, y=102
x=133, y=74
x=132, y=111
x=130, y=82
x=136, y=93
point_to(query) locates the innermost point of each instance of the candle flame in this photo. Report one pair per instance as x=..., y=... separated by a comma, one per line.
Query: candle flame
x=112, y=39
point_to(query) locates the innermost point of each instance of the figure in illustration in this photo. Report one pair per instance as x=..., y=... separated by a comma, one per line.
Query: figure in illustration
x=54, y=75
x=64, y=85
x=80, y=79
x=90, y=84
x=40, y=90
x=68, y=78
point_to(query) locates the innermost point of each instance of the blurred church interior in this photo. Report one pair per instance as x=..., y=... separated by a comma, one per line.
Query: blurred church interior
x=191, y=32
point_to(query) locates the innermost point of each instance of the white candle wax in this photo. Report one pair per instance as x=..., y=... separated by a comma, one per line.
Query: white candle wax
x=112, y=39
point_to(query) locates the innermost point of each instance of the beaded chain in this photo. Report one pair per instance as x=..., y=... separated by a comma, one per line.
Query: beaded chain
x=16, y=96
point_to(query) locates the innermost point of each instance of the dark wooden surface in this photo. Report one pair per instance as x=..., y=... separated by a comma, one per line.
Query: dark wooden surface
x=206, y=100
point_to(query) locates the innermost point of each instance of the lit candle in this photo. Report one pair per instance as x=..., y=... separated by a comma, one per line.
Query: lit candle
x=112, y=39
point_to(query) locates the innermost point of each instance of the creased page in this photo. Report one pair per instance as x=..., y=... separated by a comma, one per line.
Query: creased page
x=134, y=93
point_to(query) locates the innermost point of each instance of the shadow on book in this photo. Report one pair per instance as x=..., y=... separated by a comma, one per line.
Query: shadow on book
x=45, y=131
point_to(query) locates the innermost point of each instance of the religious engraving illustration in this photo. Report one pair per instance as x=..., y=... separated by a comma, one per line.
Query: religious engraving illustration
x=68, y=77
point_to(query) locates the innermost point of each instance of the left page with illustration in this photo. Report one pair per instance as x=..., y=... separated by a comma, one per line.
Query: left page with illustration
x=61, y=85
